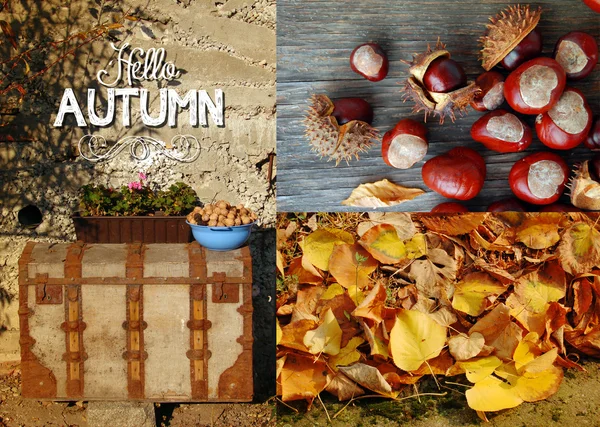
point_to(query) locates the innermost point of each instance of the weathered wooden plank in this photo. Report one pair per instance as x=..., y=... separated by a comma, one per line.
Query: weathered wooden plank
x=314, y=41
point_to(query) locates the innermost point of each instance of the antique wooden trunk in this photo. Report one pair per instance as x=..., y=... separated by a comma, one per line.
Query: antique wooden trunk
x=157, y=322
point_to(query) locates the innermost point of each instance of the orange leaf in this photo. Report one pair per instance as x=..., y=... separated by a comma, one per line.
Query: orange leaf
x=292, y=335
x=302, y=377
x=373, y=306
x=453, y=224
x=304, y=276
x=351, y=265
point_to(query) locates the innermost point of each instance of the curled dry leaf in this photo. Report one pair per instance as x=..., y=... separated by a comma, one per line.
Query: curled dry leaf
x=343, y=387
x=380, y=194
x=463, y=347
x=369, y=377
x=402, y=222
x=579, y=250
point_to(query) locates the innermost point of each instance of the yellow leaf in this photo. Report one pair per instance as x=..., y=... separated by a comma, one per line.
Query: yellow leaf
x=579, y=249
x=318, y=245
x=492, y=394
x=381, y=193
x=540, y=231
x=378, y=347
x=463, y=347
x=351, y=265
x=332, y=291
x=327, y=338
x=347, y=355
x=477, y=370
x=356, y=295
x=471, y=294
x=415, y=338
x=383, y=243
x=278, y=332
x=416, y=247
x=280, y=263
x=532, y=387
x=536, y=289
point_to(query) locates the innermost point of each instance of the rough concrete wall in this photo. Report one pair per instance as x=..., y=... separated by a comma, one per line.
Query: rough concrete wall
x=227, y=44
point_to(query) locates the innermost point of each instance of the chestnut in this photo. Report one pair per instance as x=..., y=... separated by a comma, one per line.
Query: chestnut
x=444, y=75
x=577, y=53
x=491, y=96
x=449, y=207
x=347, y=109
x=559, y=207
x=530, y=47
x=457, y=174
x=370, y=61
x=567, y=123
x=535, y=86
x=593, y=4
x=405, y=144
x=592, y=141
x=502, y=131
x=539, y=178
x=507, y=205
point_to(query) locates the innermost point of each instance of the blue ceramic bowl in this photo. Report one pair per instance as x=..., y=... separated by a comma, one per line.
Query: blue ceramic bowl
x=221, y=238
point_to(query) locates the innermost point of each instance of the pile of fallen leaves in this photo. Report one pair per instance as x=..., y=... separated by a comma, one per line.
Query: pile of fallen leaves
x=372, y=303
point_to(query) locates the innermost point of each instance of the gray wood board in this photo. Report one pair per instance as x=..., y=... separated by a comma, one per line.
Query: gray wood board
x=314, y=42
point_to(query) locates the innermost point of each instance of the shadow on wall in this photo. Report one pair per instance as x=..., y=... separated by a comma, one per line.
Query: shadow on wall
x=66, y=50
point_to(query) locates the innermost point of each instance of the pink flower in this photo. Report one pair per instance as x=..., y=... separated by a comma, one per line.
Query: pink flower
x=143, y=176
x=134, y=185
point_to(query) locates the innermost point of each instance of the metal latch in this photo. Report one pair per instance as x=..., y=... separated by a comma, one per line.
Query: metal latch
x=226, y=293
x=45, y=293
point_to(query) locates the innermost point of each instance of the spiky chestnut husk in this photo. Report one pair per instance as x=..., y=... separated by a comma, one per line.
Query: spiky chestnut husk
x=585, y=191
x=436, y=103
x=328, y=139
x=505, y=31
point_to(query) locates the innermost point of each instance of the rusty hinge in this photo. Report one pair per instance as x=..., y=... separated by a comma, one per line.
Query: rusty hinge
x=45, y=293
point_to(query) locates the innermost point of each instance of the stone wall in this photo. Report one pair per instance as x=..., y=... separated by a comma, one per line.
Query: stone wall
x=226, y=44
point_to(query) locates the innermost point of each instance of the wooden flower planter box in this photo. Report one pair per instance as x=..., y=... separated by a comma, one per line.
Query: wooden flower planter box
x=129, y=229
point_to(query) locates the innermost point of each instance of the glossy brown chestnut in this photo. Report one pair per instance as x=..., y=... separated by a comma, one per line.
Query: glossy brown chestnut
x=348, y=109
x=404, y=145
x=535, y=86
x=592, y=141
x=444, y=75
x=567, y=123
x=593, y=4
x=457, y=174
x=370, y=61
x=577, y=53
x=529, y=48
x=502, y=131
x=507, y=205
x=449, y=207
x=539, y=178
x=491, y=96
x=559, y=207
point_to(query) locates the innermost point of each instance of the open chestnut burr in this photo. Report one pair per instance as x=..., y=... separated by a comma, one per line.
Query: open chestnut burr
x=438, y=85
x=585, y=186
x=511, y=38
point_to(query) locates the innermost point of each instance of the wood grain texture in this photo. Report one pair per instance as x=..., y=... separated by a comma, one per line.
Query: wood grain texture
x=314, y=42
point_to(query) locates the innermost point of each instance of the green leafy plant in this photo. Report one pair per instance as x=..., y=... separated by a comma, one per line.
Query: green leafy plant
x=136, y=199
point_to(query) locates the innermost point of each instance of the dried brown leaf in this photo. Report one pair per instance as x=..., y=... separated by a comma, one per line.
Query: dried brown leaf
x=380, y=194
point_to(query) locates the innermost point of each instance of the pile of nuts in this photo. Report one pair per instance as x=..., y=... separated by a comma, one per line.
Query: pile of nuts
x=221, y=214
x=534, y=85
